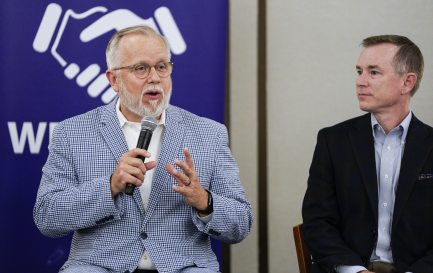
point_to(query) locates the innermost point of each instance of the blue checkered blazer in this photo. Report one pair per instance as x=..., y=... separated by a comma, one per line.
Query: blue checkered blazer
x=74, y=195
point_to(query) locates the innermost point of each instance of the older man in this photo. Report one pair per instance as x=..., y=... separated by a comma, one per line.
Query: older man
x=187, y=190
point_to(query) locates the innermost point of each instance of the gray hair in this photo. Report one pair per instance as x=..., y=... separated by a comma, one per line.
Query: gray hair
x=112, y=52
x=408, y=57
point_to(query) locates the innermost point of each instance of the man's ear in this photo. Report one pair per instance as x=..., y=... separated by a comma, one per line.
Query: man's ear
x=112, y=79
x=409, y=82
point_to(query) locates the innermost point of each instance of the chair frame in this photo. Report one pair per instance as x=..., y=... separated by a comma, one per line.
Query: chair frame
x=304, y=257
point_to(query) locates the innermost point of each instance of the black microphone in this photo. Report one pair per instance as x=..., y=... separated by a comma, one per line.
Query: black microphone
x=148, y=125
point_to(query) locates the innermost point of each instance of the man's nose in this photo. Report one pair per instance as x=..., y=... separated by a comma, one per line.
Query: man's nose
x=153, y=76
x=361, y=80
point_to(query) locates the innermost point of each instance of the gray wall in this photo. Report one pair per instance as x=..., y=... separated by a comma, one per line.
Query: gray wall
x=312, y=50
x=243, y=118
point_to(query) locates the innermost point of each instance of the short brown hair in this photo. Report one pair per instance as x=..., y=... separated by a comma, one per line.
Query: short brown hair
x=408, y=57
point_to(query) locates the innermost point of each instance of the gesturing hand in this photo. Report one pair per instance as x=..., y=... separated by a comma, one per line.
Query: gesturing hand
x=188, y=183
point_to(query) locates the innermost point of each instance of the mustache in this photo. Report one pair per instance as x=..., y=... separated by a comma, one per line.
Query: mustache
x=152, y=88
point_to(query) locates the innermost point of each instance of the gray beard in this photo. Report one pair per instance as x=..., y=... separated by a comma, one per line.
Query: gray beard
x=137, y=107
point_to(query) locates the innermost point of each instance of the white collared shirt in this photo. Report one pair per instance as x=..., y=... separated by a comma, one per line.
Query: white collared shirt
x=131, y=131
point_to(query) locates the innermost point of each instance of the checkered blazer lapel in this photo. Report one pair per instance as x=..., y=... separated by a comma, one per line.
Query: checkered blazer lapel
x=111, y=131
x=171, y=145
x=115, y=139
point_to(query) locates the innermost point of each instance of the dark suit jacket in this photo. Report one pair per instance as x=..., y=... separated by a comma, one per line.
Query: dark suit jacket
x=340, y=205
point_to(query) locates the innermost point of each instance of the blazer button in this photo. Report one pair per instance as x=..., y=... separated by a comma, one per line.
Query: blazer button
x=143, y=235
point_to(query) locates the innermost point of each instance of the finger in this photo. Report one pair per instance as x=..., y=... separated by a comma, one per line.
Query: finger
x=184, y=191
x=125, y=178
x=136, y=172
x=185, y=168
x=181, y=178
x=131, y=179
x=136, y=152
x=133, y=161
x=178, y=189
x=150, y=165
x=128, y=160
x=188, y=158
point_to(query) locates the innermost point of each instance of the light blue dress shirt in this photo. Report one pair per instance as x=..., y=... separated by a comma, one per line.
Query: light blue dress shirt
x=389, y=150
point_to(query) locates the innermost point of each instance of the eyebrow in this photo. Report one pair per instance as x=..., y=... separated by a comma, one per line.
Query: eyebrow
x=373, y=67
x=369, y=67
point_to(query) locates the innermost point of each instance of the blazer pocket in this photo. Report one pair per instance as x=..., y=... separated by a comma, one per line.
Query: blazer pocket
x=425, y=177
x=422, y=193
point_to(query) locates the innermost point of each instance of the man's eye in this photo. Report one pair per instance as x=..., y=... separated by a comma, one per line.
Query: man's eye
x=161, y=67
x=359, y=72
x=374, y=72
x=140, y=68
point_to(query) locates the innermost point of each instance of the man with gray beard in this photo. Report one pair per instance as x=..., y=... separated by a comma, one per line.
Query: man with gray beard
x=187, y=191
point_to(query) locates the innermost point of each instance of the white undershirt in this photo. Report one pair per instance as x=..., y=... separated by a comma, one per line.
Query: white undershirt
x=131, y=130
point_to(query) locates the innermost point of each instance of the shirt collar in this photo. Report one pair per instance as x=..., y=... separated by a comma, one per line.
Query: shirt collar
x=123, y=120
x=404, y=125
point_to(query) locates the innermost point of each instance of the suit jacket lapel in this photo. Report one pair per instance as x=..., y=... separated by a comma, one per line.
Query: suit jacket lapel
x=417, y=147
x=115, y=140
x=111, y=131
x=171, y=145
x=362, y=141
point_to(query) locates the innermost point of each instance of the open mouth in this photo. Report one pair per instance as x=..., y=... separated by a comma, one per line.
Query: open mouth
x=152, y=94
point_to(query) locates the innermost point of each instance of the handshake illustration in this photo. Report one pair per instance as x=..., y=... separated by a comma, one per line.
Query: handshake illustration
x=91, y=76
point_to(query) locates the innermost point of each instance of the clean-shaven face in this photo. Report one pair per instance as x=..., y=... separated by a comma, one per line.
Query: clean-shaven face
x=378, y=86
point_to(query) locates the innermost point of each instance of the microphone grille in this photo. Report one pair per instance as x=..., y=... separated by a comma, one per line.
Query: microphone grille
x=148, y=123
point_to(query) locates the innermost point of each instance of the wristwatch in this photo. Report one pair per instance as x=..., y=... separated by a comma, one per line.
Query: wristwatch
x=209, y=208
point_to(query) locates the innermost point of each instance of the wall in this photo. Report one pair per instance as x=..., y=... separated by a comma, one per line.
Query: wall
x=243, y=118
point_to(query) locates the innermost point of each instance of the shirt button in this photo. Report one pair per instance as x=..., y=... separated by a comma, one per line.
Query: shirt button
x=389, y=148
x=385, y=204
x=143, y=235
x=386, y=176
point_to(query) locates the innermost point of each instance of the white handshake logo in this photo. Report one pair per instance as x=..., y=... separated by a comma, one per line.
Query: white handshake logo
x=92, y=77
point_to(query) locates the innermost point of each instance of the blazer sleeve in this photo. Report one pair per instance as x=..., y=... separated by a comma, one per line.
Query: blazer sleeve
x=232, y=216
x=65, y=204
x=320, y=212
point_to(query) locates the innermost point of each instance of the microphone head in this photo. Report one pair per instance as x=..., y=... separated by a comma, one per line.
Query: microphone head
x=148, y=123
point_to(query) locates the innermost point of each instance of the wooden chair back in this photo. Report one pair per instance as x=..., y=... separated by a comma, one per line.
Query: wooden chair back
x=304, y=257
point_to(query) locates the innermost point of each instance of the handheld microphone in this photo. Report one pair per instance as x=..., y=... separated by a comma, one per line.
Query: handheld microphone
x=148, y=125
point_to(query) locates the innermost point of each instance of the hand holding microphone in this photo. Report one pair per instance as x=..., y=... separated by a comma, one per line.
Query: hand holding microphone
x=148, y=125
x=131, y=170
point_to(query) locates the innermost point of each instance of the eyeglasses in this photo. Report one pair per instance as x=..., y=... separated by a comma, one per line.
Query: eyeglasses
x=142, y=70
